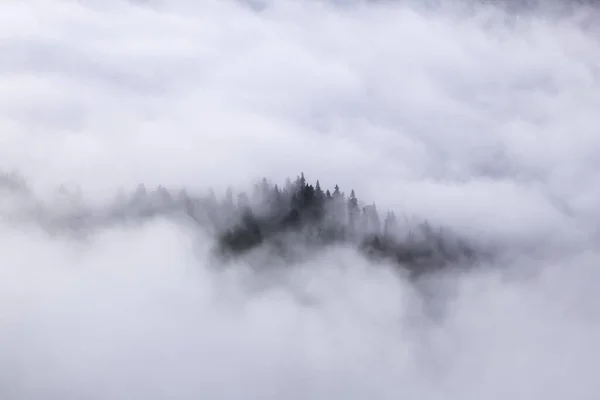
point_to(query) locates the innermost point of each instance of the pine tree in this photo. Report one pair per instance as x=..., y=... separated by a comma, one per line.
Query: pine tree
x=336, y=191
x=319, y=195
x=374, y=221
x=390, y=225
x=276, y=199
x=265, y=189
x=289, y=187
x=353, y=211
x=353, y=201
x=300, y=182
x=308, y=197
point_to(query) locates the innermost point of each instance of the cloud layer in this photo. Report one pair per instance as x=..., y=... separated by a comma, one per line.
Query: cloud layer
x=474, y=116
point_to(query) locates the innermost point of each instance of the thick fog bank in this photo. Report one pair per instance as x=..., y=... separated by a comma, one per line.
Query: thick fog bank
x=478, y=117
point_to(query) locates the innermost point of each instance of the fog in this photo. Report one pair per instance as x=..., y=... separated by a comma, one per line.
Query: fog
x=480, y=117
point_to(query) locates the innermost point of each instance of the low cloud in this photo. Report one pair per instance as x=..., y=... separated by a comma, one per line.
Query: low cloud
x=480, y=118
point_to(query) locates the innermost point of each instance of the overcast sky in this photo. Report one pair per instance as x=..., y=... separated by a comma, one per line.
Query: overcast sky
x=480, y=119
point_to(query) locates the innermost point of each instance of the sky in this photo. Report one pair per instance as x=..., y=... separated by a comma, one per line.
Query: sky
x=479, y=117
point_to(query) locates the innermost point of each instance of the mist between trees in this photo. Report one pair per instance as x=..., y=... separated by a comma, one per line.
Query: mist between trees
x=288, y=223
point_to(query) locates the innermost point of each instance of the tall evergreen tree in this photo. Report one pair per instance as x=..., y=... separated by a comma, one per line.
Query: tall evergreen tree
x=319, y=195
x=353, y=211
x=390, y=225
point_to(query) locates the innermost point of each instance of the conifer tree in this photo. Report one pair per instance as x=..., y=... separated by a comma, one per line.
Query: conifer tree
x=353, y=211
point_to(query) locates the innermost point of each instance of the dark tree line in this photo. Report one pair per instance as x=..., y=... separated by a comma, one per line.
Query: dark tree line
x=297, y=215
x=323, y=217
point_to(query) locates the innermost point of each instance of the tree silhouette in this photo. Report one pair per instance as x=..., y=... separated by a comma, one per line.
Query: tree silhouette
x=324, y=218
x=300, y=213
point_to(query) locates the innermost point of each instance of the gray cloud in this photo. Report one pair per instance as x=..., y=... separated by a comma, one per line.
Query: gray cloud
x=471, y=116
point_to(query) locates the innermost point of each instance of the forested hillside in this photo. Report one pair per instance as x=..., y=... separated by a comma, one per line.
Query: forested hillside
x=289, y=222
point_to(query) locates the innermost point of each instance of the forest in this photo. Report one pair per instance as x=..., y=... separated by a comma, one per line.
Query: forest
x=315, y=217
x=289, y=222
